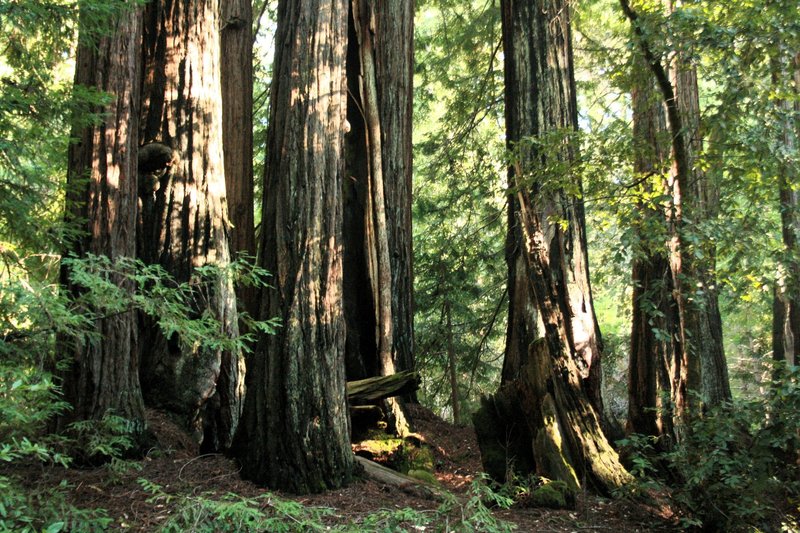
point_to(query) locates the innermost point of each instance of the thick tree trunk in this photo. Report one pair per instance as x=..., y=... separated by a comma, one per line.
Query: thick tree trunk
x=558, y=384
x=237, y=128
x=104, y=374
x=184, y=224
x=377, y=189
x=656, y=353
x=295, y=433
x=545, y=100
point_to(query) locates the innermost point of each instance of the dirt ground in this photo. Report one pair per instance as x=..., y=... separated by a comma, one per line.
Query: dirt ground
x=180, y=470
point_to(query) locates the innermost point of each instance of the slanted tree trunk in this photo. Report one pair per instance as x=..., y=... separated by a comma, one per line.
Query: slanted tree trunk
x=786, y=303
x=237, y=129
x=377, y=189
x=184, y=224
x=654, y=371
x=295, y=433
x=104, y=373
x=555, y=385
x=703, y=357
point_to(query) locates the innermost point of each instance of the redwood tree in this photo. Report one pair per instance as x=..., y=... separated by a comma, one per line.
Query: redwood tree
x=377, y=189
x=562, y=434
x=693, y=202
x=101, y=179
x=184, y=223
x=295, y=431
x=656, y=357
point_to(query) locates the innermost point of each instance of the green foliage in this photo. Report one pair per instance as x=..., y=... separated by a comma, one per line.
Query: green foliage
x=459, y=201
x=267, y=512
x=735, y=467
x=33, y=312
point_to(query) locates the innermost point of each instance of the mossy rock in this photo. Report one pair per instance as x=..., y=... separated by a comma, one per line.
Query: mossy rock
x=409, y=457
x=552, y=495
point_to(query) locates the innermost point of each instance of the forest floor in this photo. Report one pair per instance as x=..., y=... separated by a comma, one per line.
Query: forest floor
x=179, y=470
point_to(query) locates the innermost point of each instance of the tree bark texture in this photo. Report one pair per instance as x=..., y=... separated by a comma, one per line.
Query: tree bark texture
x=184, y=224
x=295, y=434
x=656, y=363
x=541, y=87
x=786, y=303
x=102, y=183
x=558, y=386
x=237, y=128
x=377, y=189
x=524, y=323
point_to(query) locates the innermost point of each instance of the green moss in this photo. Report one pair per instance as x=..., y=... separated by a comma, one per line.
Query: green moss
x=423, y=475
x=381, y=447
x=409, y=457
x=553, y=495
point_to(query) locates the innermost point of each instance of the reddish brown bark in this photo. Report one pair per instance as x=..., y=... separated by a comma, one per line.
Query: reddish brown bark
x=295, y=433
x=104, y=373
x=185, y=222
x=655, y=368
x=704, y=368
x=237, y=129
x=555, y=380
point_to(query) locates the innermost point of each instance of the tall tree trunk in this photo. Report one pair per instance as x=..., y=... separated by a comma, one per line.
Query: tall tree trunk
x=184, y=224
x=295, y=434
x=104, y=374
x=699, y=202
x=237, y=128
x=656, y=353
x=555, y=388
x=786, y=303
x=377, y=189
x=704, y=366
x=549, y=108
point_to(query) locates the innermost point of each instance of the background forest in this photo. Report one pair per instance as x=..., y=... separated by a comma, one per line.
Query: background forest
x=611, y=257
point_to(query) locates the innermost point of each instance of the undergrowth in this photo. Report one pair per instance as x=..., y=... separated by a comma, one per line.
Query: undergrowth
x=210, y=513
x=736, y=467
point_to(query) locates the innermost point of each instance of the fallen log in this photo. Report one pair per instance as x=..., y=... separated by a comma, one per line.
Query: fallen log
x=382, y=387
x=409, y=485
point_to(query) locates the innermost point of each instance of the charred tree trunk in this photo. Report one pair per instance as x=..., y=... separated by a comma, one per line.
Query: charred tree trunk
x=556, y=388
x=546, y=105
x=104, y=374
x=184, y=224
x=377, y=189
x=654, y=371
x=295, y=433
